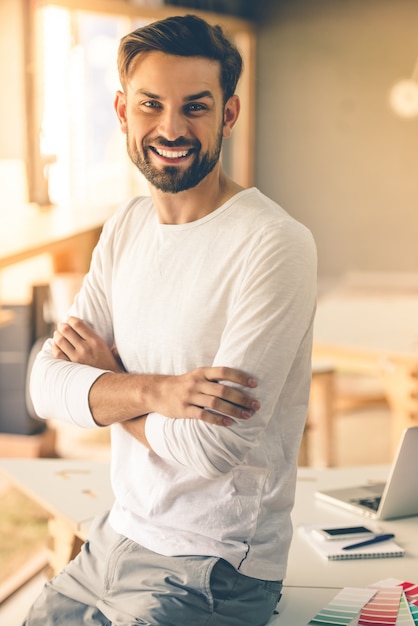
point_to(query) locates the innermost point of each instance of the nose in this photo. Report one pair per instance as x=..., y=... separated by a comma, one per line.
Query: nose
x=172, y=124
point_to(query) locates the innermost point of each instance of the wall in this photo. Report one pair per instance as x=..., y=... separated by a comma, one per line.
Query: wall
x=329, y=149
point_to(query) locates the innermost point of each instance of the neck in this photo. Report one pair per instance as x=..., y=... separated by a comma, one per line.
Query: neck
x=193, y=204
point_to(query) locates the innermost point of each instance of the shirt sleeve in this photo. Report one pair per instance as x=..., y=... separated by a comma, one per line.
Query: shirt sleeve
x=60, y=389
x=269, y=335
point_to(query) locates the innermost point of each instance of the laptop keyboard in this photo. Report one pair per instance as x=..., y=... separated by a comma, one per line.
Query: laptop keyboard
x=372, y=502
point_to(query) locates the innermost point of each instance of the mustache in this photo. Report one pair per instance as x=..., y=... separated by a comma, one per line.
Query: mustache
x=180, y=142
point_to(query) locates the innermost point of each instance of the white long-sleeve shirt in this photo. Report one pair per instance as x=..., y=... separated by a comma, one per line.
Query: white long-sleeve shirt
x=236, y=288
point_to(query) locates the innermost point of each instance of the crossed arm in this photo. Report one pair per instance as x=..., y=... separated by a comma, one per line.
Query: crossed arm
x=118, y=396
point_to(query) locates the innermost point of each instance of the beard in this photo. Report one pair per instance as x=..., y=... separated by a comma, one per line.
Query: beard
x=172, y=179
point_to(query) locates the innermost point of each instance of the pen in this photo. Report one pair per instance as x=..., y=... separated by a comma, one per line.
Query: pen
x=369, y=542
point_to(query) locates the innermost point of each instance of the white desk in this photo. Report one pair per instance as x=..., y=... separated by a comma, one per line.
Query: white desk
x=308, y=569
x=293, y=611
x=74, y=491
x=311, y=580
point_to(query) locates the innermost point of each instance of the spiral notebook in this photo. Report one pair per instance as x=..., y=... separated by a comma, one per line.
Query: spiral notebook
x=333, y=550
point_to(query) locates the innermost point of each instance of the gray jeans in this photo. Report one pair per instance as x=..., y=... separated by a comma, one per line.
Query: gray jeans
x=116, y=581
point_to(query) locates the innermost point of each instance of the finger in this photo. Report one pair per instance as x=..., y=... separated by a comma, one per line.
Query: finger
x=57, y=353
x=63, y=344
x=77, y=341
x=230, y=395
x=229, y=374
x=80, y=327
x=202, y=414
x=69, y=333
x=227, y=409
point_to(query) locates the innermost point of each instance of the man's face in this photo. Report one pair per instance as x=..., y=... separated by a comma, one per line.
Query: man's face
x=173, y=114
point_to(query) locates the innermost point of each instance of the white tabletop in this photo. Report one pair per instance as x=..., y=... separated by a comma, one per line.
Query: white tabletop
x=299, y=605
x=73, y=490
x=77, y=490
x=306, y=568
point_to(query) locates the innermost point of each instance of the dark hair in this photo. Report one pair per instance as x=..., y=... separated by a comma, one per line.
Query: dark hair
x=186, y=36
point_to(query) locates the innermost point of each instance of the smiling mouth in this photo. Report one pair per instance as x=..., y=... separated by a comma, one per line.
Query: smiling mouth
x=171, y=154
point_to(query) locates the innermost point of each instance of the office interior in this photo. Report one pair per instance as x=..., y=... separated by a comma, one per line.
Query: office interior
x=330, y=132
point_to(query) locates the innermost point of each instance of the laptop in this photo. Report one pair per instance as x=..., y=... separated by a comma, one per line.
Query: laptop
x=398, y=497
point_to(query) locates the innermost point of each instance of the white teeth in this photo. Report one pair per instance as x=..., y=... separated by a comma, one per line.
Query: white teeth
x=169, y=154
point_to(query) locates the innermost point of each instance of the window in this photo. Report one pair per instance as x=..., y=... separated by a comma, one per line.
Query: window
x=80, y=141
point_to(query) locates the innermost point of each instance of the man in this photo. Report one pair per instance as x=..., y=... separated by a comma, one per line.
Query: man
x=206, y=291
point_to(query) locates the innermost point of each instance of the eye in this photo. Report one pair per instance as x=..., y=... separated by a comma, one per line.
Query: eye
x=195, y=107
x=151, y=104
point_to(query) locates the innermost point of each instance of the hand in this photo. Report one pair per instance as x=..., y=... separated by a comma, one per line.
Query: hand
x=203, y=394
x=199, y=394
x=180, y=397
x=75, y=341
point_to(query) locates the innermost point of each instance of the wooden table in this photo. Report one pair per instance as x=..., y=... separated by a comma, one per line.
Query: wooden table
x=318, y=445
x=69, y=237
x=372, y=330
x=72, y=492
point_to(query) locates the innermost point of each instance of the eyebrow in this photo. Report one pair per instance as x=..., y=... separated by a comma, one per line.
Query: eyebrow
x=197, y=96
x=200, y=96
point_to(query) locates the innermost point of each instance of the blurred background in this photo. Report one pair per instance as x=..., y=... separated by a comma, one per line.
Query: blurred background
x=329, y=130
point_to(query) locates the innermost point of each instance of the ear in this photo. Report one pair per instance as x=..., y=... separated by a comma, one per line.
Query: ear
x=231, y=112
x=120, y=108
